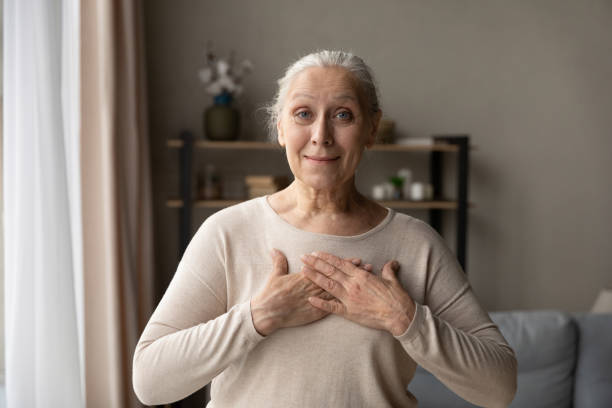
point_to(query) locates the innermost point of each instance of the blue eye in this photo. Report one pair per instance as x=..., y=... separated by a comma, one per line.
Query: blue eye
x=303, y=115
x=344, y=115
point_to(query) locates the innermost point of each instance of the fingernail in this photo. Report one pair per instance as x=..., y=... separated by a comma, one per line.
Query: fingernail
x=394, y=264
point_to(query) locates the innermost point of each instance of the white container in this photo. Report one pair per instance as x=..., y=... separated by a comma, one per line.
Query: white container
x=389, y=189
x=378, y=192
x=421, y=191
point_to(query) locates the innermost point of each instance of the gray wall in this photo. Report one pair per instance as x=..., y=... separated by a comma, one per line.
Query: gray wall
x=529, y=80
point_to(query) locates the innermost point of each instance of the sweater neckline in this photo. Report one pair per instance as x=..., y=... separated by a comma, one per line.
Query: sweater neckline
x=381, y=225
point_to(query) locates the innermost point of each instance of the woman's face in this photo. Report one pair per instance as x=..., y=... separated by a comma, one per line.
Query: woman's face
x=324, y=127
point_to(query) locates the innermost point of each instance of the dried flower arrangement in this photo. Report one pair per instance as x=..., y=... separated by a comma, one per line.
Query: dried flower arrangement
x=222, y=76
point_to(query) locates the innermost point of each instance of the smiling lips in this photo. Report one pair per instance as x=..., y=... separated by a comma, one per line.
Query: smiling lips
x=322, y=160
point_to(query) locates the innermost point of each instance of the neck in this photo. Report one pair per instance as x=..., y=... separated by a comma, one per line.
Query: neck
x=342, y=200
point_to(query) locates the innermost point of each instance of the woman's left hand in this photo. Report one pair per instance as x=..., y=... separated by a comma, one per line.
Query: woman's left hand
x=378, y=302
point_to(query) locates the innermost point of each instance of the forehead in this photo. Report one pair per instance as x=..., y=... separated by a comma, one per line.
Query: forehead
x=323, y=81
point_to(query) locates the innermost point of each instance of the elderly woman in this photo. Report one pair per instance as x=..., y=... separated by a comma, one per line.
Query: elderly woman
x=316, y=296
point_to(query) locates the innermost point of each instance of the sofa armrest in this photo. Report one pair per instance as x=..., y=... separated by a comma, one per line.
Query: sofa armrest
x=593, y=387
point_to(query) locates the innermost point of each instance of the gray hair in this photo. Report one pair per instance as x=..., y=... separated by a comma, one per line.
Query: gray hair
x=325, y=58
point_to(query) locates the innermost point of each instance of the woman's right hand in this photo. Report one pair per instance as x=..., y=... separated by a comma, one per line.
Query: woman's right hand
x=283, y=302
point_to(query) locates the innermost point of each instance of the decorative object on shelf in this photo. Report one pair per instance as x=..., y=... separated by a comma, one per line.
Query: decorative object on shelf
x=406, y=176
x=421, y=191
x=223, y=80
x=396, y=188
x=383, y=191
x=385, y=133
x=263, y=185
x=209, y=184
x=378, y=192
x=396, y=192
x=603, y=303
x=222, y=120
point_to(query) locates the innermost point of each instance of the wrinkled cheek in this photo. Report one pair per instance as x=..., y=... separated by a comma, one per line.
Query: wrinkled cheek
x=351, y=165
x=294, y=163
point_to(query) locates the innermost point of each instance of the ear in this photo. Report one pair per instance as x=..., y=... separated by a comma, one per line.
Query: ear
x=374, y=129
x=279, y=132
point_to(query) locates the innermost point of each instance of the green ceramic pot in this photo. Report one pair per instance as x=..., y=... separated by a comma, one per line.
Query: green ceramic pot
x=221, y=122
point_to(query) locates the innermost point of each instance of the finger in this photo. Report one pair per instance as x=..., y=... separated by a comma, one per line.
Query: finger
x=279, y=260
x=327, y=284
x=331, y=306
x=389, y=270
x=324, y=268
x=328, y=263
x=355, y=261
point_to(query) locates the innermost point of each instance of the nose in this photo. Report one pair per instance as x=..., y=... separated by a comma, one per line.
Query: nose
x=322, y=132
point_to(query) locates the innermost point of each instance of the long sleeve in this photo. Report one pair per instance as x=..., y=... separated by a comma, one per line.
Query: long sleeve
x=452, y=337
x=202, y=329
x=191, y=338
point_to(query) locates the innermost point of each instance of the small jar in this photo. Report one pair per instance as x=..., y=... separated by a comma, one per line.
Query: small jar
x=389, y=190
x=212, y=183
x=421, y=191
x=378, y=192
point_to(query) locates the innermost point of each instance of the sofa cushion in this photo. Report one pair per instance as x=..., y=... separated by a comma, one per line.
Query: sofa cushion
x=545, y=343
x=593, y=386
x=431, y=393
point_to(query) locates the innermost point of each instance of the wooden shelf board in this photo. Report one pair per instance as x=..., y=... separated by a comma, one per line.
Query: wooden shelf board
x=205, y=144
x=414, y=205
x=436, y=147
x=241, y=144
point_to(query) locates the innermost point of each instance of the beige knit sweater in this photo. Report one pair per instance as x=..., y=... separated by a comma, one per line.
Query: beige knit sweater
x=202, y=329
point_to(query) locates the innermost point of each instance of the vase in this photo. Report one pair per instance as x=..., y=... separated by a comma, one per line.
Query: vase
x=222, y=120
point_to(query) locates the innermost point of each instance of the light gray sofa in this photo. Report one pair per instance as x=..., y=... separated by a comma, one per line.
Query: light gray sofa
x=564, y=360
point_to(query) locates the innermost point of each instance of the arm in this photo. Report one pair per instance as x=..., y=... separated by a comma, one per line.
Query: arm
x=451, y=335
x=464, y=350
x=191, y=338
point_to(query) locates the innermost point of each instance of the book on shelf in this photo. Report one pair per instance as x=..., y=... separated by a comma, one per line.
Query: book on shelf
x=266, y=181
x=261, y=185
x=263, y=190
x=260, y=193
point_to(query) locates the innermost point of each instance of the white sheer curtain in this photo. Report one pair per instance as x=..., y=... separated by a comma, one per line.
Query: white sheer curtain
x=43, y=231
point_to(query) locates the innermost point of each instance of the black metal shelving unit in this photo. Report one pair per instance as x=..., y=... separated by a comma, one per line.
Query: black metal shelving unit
x=186, y=145
x=437, y=180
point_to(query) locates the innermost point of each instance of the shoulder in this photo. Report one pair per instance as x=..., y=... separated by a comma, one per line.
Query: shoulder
x=411, y=232
x=234, y=217
x=216, y=232
x=407, y=225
